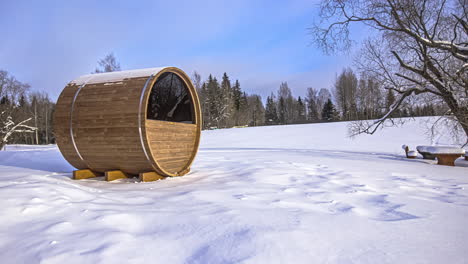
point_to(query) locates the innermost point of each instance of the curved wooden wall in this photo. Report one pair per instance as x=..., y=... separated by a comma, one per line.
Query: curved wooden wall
x=100, y=124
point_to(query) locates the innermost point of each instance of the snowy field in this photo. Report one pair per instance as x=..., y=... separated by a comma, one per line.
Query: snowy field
x=280, y=194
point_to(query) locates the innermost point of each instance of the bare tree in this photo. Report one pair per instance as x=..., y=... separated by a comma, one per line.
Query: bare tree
x=345, y=93
x=12, y=119
x=108, y=64
x=419, y=47
x=197, y=81
x=369, y=97
x=312, y=105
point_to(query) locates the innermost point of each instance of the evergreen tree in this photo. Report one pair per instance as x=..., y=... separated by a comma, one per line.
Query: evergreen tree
x=213, y=101
x=271, y=116
x=329, y=113
x=301, y=115
x=204, y=105
x=237, y=94
x=281, y=111
x=244, y=117
x=226, y=102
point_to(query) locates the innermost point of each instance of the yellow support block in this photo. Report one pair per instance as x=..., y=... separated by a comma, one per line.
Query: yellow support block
x=85, y=174
x=150, y=176
x=115, y=175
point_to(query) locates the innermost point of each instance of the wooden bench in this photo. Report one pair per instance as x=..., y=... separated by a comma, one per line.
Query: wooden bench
x=445, y=155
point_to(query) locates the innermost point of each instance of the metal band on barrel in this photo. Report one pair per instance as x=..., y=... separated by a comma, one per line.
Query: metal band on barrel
x=139, y=118
x=71, y=121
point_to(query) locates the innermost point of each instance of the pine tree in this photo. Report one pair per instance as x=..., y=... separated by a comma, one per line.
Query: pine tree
x=204, y=105
x=301, y=116
x=281, y=111
x=243, y=118
x=236, y=93
x=213, y=101
x=226, y=102
x=236, y=101
x=271, y=116
x=329, y=113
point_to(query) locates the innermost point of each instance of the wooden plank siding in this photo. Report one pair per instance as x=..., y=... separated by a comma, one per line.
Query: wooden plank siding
x=172, y=144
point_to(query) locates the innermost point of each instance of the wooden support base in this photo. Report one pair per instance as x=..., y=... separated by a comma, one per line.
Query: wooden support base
x=115, y=175
x=85, y=174
x=447, y=159
x=150, y=176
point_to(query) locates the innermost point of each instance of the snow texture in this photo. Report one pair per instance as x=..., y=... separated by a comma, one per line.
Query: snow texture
x=117, y=76
x=278, y=194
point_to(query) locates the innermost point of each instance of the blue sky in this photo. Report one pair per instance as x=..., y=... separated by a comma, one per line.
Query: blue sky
x=261, y=43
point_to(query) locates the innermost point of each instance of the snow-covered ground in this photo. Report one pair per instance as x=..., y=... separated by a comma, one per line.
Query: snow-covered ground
x=280, y=194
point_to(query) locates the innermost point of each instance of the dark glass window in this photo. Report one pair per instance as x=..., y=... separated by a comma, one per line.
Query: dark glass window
x=170, y=100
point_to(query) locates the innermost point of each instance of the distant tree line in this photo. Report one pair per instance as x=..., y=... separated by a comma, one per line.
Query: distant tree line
x=224, y=104
x=366, y=98
x=25, y=116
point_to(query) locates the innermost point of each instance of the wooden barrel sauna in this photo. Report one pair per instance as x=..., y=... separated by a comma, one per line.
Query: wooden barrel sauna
x=134, y=121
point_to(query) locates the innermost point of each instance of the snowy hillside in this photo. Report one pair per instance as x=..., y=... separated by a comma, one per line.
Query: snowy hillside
x=280, y=194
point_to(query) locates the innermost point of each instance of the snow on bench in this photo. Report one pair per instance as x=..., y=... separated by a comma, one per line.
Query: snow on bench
x=445, y=150
x=410, y=154
x=445, y=155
